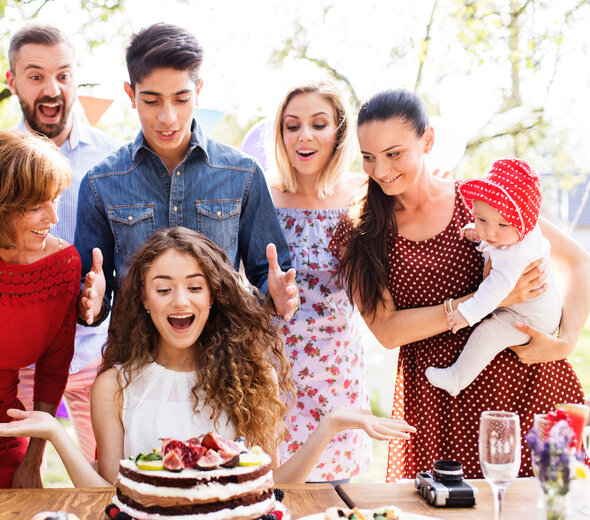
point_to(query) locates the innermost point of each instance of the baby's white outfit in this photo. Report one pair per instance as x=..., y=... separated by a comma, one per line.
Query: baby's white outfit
x=157, y=404
x=497, y=332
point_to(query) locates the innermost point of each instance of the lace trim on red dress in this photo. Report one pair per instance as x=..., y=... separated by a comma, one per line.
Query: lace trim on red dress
x=55, y=274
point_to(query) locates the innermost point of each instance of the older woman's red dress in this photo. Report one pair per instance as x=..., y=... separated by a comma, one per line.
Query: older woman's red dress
x=424, y=274
x=37, y=325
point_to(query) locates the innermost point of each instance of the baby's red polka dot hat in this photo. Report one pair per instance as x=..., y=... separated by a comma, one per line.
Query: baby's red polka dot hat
x=512, y=188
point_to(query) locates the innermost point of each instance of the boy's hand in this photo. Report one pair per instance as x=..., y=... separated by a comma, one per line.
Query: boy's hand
x=456, y=321
x=281, y=286
x=90, y=302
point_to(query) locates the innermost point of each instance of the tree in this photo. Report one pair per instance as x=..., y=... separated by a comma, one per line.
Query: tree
x=93, y=14
x=520, y=44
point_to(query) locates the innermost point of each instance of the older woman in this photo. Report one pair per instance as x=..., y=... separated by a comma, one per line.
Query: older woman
x=39, y=286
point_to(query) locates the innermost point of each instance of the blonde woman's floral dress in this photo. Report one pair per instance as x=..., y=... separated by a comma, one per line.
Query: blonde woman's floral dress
x=324, y=346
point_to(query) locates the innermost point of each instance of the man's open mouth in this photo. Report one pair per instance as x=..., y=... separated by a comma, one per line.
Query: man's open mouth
x=49, y=110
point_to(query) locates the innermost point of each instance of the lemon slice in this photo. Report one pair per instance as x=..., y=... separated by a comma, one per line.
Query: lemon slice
x=250, y=459
x=151, y=465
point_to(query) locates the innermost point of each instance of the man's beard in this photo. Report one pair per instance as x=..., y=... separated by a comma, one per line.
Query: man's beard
x=33, y=121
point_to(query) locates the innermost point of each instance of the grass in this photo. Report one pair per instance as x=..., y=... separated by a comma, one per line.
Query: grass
x=56, y=475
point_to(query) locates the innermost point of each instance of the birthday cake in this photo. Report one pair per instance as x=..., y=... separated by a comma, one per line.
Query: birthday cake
x=204, y=478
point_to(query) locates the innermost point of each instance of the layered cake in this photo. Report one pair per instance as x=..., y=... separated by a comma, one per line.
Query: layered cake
x=205, y=478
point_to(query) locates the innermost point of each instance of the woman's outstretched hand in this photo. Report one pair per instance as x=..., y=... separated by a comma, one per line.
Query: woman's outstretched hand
x=380, y=428
x=29, y=424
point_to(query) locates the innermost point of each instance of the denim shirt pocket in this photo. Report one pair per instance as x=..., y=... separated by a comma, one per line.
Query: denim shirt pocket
x=219, y=220
x=132, y=225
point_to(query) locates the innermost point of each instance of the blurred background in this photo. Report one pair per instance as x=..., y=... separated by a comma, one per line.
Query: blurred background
x=501, y=78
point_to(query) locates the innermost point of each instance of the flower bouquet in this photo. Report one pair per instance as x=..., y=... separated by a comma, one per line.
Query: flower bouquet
x=554, y=441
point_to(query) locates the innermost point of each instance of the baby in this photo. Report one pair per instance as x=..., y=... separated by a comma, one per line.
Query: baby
x=505, y=205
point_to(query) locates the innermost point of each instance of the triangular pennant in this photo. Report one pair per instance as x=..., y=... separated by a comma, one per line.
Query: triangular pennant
x=94, y=108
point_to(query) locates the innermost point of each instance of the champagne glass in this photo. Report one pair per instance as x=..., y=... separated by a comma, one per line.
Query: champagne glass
x=499, y=452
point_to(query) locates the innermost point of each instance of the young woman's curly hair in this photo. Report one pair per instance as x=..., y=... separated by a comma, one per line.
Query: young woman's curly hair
x=241, y=367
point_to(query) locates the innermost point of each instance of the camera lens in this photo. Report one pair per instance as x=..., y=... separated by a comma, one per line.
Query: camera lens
x=448, y=471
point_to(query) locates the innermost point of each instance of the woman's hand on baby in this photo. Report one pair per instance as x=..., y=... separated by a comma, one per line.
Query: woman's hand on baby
x=530, y=284
x=380, y=428
x=542, y=347
x=456, y=321
x=28, y=424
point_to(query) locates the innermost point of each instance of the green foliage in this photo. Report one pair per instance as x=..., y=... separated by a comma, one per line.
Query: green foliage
x=229, y=130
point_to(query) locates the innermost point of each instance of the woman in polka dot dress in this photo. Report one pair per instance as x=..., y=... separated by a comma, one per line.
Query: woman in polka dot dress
x=402, y=257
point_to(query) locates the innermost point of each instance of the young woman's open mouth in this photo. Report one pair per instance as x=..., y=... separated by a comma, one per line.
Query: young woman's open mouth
x=181, y=322
x=306, y=154
x=390, y=180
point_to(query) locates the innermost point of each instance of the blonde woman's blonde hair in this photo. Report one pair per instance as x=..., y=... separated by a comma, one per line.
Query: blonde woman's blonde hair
x=342, y=156
x=32, y=171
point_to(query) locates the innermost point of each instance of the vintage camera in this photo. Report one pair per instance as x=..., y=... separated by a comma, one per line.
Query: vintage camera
x=445, y=485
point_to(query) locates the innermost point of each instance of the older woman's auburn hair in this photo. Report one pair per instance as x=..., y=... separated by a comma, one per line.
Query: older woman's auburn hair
x=344, y=147
x=32, y=171
x=236, y=355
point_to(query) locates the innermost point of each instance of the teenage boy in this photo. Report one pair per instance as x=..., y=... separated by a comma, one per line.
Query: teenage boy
x=174, y=175
x=43, y=77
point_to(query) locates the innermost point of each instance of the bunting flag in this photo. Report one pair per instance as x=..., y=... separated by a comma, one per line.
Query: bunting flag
x=94, y=108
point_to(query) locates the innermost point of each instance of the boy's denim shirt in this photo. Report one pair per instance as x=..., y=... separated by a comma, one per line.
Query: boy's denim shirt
x=216, y=190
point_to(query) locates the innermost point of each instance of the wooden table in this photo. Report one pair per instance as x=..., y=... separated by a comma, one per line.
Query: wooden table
x=520, y=501
x=301, y=500
x=89, y=503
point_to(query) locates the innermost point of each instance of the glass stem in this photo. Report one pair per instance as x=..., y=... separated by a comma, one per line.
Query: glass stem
x=499, y=492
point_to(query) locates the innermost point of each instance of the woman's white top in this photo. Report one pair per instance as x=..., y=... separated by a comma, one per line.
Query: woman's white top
x=158, y=403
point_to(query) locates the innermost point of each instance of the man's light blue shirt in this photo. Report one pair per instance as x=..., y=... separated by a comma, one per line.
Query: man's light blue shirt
x=85, y=147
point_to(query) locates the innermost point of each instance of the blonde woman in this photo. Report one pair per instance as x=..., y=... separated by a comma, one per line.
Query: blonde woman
x=314, y=150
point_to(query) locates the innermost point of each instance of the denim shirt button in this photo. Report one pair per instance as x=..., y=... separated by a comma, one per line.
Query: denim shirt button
x=177, y=173
x=129, y=218
x=219, y=213
x=175, y=208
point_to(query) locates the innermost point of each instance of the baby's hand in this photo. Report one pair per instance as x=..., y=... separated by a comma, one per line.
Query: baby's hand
x=470, y=234
x=456, y=321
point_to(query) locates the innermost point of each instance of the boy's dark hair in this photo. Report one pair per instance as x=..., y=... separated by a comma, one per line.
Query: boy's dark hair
x=162, y=46
x=40, y=34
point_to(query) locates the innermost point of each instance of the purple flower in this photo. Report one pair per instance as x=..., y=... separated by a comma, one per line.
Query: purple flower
x=552, y=457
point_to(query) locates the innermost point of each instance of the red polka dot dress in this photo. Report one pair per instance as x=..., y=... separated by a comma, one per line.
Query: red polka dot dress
x=427, y=273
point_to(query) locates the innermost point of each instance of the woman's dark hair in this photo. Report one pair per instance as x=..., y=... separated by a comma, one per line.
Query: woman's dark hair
x=236, y=355
x=161, y=46
x=365, y=265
